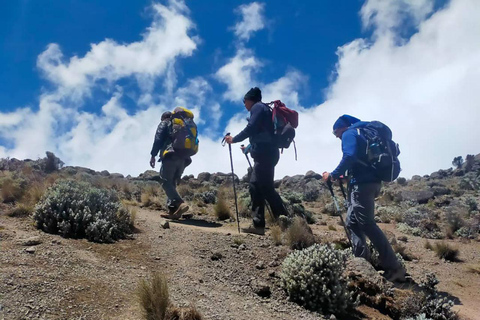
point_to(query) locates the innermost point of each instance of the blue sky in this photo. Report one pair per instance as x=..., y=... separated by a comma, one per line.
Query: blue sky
x=88, y=80
x=27, y=27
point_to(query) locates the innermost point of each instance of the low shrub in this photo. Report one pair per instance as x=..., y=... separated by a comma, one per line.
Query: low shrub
x=78, y=210
x=11, y=190
x=276, y=233
x=21, y=210
x=313, y=278
x=153, y=297
x=221, y=209
x=444, y=251
x=299, y=235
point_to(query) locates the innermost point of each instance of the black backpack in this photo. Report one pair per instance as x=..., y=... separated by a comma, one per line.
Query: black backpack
x=382, y=152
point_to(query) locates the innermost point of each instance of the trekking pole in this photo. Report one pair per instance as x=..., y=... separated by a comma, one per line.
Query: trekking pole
x=266, y=204
x=337, y=208
x=340, y=182
x=233, y=179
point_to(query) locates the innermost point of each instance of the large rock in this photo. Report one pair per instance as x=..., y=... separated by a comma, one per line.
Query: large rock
x=116, y=175
x=312, y=175
x=372, y=289
x=203, y=176
x=151, y=175
x=421, y=196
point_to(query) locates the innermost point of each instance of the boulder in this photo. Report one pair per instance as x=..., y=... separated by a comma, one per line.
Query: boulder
x=312, y=175
x=418, y=196
x=402, y=181
x=116, y=175
x=151, y=175
x=204, y=176
x=104, y=173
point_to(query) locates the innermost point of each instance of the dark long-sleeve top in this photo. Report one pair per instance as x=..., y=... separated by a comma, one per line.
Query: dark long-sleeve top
x=260, y=126
x=354, y=158
x=162, y=138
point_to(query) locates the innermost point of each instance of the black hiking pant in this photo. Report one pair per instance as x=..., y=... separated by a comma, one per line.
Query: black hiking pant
x=170, y=173
x=261, y=185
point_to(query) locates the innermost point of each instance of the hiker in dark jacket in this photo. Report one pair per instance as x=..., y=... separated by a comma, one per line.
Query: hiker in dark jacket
x=172, y=167
x=265, y=155
x=363, y=187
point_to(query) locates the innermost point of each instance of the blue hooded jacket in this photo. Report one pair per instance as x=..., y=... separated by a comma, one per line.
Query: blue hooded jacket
x=354, y=147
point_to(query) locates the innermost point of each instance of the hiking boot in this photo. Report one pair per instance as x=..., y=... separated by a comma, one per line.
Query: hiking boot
x=254, y=230
x=182, y=208
x=396, y=275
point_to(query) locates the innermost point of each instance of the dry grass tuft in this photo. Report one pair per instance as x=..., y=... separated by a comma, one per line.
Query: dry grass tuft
x=299, y=235
x=276, y=233
x=22, y=210
x=221, y=209
x=402, y=251
x=332, y=228
x=184, y=190
x=444, y=251
x=474, y=269
x=191, y=313
x=238, y=240
x=154, y=297
x=427, y=245
x=10, y=191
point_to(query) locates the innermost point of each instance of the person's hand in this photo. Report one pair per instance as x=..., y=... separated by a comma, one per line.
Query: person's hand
x=326, y=176
x=229, y=139
x=152, y=162
x=242, y=147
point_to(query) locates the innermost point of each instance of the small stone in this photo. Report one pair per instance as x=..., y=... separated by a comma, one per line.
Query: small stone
x=261, y=288
x=30, y=250
x=260, y=265
x=272, y=273
x=242, y=247
x=216, y=256
x=164, y=224
x=32, y=241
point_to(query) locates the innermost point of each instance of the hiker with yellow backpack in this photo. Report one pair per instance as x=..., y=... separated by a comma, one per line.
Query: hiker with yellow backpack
x=176, y=141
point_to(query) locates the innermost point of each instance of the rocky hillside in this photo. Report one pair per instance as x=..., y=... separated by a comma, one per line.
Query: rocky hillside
x=76, y=244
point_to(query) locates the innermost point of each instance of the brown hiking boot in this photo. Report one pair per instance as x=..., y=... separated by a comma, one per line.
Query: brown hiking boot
x=254, y=230
x=182, y=208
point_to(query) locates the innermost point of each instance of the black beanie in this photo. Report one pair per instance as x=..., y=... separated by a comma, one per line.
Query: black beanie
x=254, y=94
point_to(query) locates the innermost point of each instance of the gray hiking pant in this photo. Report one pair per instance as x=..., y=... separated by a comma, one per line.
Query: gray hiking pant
x=170, y=173
x=361, y=224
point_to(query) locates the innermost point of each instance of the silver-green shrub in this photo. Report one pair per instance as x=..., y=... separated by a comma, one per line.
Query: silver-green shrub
x=77, y=210
x=313, y=277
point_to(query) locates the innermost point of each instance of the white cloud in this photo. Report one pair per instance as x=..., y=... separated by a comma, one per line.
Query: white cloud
x=165, y=40
x=252, y=20
x=385, y=15
x=238, y=73
x=423, y=87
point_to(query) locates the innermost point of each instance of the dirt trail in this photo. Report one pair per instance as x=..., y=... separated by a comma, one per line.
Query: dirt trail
x=206, y=263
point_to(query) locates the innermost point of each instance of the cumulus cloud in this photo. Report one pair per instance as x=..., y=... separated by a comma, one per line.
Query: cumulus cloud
x=423, y=87
x=252, y=20
x=238, y=74
x=386, y=15
x=166, y=39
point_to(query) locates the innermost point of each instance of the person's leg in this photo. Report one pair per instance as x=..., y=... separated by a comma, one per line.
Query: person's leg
x=365, y=196
x=256, y=194
x=168, y=177
x=268, y=187
x=359, y=243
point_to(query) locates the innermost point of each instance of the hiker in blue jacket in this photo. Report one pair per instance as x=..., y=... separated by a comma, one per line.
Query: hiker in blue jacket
x=265, y=155
x=363, y=187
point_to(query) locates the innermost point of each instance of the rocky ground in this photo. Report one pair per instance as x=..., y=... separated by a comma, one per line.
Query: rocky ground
x=207, y=263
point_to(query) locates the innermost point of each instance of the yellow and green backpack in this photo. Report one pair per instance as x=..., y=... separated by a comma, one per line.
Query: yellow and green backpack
x=184, y=132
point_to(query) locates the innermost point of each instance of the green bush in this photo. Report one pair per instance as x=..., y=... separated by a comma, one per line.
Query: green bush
x=78, y=210
x=313, y=278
